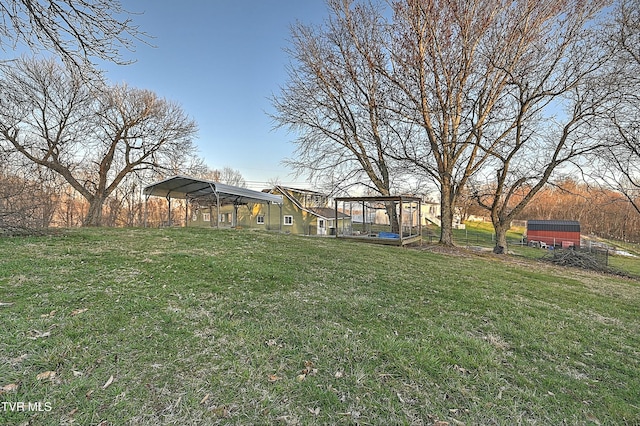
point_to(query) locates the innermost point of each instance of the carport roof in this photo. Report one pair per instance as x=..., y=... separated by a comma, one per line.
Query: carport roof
x=187, y=187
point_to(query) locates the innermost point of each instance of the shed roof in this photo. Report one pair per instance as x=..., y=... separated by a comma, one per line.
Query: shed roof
x=553, y=225
x=184, y=187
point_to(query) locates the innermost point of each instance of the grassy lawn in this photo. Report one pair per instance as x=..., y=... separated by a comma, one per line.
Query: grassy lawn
x=187, y=326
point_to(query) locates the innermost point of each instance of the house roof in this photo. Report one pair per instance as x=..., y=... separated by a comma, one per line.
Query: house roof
x=185, y=187
x=327, y=213
x=323, y=212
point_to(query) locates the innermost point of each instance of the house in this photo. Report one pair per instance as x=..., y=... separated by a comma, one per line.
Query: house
x=307, y=212
x=303, y=212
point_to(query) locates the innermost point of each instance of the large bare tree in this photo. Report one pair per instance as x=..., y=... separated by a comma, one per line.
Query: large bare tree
x=90, y=134
x=553, y=97
x=336, y=98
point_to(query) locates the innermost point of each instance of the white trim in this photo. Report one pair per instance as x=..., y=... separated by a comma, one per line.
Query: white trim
x=284, y=220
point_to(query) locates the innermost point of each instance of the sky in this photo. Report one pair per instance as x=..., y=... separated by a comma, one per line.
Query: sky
x=221, y=60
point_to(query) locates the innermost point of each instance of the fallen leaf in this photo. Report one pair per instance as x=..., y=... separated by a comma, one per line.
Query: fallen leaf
x=11, y=387
x=314, y=411
x=6, y=303
x=46, y=375
x=301, y=377
x=221, y=412
x=72, y=412
x=339, y=374
x=203, y=400
x=35, y=334
x=274, y=378
x=77, y=373
x=88, y=394
x=441, y=423
x=108, y=383
x=78, y=311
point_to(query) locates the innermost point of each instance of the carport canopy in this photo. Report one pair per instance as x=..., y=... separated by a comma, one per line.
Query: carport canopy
x=206, y=191
x=184, y=187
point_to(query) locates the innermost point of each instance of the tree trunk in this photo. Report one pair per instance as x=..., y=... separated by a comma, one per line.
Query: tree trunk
x=446, y=217
x=501, y=237
x=392, y=213
x=94, y=214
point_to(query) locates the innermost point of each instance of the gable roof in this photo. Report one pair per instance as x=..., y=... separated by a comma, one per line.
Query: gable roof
x=328, y=213
x=553, y=225
x=185, y=187
x=322, y=212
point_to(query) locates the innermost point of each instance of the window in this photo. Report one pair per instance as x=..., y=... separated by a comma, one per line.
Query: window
x=288, y=220
x=206, y=217
x=260, y=220
x=320, y=223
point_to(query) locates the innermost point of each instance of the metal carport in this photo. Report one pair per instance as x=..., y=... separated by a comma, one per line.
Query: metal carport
x=192, y=189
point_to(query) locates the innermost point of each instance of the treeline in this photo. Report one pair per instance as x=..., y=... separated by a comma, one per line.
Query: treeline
x=27, y=204
x=601, y=212
x=32, y=200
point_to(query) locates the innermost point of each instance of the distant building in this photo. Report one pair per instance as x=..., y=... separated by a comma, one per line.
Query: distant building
x=303, y=212
x=556, y=233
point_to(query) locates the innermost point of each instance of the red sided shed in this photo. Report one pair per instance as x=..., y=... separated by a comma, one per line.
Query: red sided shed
x=559, y=233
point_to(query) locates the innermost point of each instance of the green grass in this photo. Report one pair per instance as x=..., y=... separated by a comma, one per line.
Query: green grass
x=200, y=326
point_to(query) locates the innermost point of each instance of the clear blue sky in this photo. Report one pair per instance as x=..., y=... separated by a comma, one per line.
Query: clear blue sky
x=221, y=60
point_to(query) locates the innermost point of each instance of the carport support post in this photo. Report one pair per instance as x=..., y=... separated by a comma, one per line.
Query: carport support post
x=146, y=208
x=268, y=215
x=420, y=219
x=186, y=212
x=217, y=210
x=168, y=197
x=400, y=220
x=217, y=205
x=336, y=217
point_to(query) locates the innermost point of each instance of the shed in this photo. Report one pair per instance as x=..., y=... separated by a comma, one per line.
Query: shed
x=557, y=233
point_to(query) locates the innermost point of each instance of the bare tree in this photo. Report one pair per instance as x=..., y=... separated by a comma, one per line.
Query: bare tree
x=93, y=139
x=29, y=195
x=76, y=30
x=619, y=163
x=552, y=101
x=335, y=101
